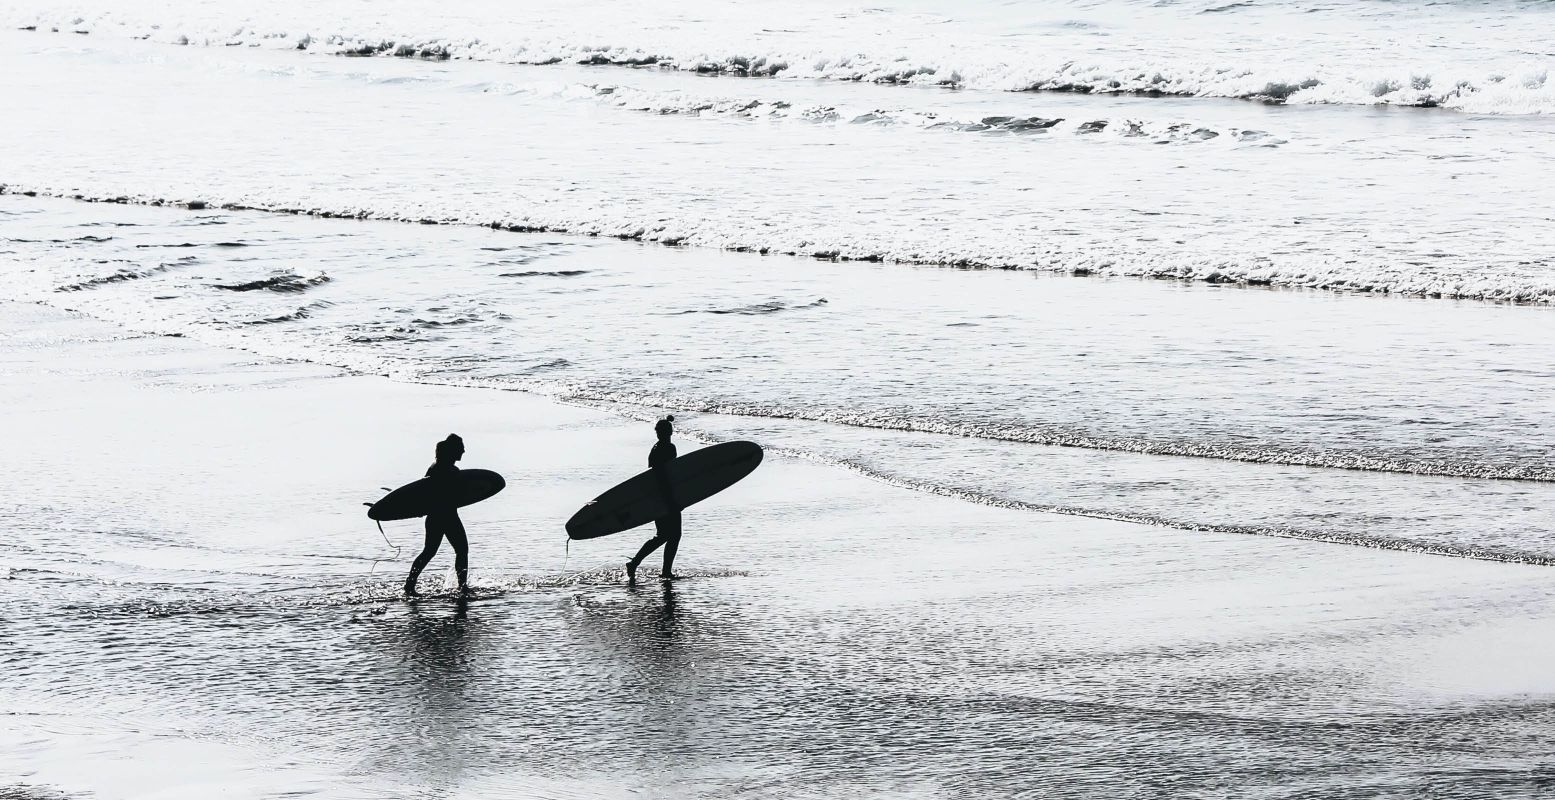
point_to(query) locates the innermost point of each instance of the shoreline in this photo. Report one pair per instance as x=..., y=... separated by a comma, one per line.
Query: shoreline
x=172, y=441
x=1313, y=469
x=623, y=410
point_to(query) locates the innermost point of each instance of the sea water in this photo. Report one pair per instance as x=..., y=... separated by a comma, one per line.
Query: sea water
x=1262, y=269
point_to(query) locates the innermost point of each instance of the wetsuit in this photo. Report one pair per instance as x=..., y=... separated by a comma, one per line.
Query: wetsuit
x=666, y=527
x=443, y=523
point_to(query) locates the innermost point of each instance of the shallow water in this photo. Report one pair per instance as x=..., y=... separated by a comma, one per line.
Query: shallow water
x=833, y=636
x=1197, y=405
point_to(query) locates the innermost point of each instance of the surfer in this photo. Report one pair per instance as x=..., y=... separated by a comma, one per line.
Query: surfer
x=443, y=522
x=666, y=527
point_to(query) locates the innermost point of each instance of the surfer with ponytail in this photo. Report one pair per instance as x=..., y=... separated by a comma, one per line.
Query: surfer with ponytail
x=443, y=521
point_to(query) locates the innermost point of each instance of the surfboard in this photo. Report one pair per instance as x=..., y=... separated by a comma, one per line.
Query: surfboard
x=693, y=477
x=417, y=498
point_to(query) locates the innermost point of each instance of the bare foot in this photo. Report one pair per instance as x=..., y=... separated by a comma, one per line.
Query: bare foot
x=631, y=574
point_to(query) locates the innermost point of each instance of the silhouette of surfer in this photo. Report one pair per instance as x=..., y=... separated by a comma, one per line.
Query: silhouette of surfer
x=666, y=527
x=443, y=521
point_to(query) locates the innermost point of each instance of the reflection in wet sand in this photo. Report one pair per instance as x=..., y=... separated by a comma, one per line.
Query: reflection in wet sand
x=433, y=652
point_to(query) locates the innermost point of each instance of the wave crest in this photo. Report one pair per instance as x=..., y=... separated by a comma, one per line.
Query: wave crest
x=1512, y=79
x=286, y=283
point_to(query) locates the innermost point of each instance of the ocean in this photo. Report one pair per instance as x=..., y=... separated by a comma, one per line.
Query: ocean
x=1272, y=279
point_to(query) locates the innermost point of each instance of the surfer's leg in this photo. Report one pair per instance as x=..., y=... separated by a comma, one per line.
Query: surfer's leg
x=428, y=550
x=669, y=531
x=461, y=545
x=669, y=557
x=642, y=553
x=647, y=548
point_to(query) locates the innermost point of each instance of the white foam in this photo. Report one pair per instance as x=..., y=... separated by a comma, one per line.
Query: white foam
x=1429, y=204
x=1488, y=60
x=681, y=103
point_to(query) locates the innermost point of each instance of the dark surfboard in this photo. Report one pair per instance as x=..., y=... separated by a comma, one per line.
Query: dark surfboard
x=418, y=498
x=693, y=477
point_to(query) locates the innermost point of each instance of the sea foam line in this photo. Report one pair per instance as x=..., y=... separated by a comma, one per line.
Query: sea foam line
x=1387, y=279
x=1502, y=555
x=677, y=103
x=1059, y=436
x=628, y=409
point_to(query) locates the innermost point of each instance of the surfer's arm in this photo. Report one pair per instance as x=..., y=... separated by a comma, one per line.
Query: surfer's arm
x=658, y=458
x=445, y=485
x=663, y=476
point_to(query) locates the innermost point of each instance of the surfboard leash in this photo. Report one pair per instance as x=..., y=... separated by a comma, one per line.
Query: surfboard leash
x=396, y=548
x=385, y=535
x=392, y=546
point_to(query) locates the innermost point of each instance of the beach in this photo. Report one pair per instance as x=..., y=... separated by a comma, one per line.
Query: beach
x=207, y=607
x=1155, y=397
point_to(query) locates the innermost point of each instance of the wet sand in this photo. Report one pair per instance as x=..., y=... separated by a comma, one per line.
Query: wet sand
x=196, y=603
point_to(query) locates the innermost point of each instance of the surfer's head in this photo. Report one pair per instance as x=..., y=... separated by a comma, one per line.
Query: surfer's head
x=450, y=449
x=665, y=427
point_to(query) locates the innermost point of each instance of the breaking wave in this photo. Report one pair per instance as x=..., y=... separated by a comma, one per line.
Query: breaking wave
x=1516, y=81
x=121, y=275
